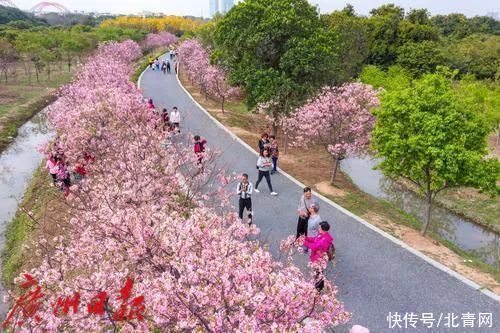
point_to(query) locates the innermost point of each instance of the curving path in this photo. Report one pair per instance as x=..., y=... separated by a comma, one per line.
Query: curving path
x=376, y=274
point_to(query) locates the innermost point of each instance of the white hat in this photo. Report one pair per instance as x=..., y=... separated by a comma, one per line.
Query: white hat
x=359, y=329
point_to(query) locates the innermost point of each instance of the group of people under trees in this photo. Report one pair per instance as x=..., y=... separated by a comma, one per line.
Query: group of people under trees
x=312, y=230
x=165, y=66
x=63, y=174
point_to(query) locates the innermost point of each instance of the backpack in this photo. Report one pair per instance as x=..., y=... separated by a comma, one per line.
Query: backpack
x=331, y=252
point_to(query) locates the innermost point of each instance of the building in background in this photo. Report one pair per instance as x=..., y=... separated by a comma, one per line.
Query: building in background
x=220, y=6
x=214, y=7
x=493, y=15
x=226, y=5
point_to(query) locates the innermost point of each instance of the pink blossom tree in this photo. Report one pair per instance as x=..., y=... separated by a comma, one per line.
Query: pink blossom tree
x=196, y=60
x=339, y=119
x=194, y=266
x=212, y=80
x=163, y=38
x=218, y=85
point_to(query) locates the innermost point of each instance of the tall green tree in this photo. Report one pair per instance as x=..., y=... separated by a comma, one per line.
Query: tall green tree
x=459, y=26
x=483, y=97
x=452, y=25
x=29, y=46
x=420, y=58
x=74, y=44
x=278, y=51
x=389, y=29
x=7, y=55
x=396, y=77
x=426, y=136
x=353, y=34
x=476, y=54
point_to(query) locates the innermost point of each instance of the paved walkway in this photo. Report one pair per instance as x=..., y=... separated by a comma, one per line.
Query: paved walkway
x=374, y=274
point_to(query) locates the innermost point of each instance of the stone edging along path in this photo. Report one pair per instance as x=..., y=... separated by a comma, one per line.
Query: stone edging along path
x=422, y=256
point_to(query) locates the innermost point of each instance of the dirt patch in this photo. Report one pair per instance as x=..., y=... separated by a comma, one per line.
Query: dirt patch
x=328, y=189
x=7, y=95
x=434, y=250
x=242, y=132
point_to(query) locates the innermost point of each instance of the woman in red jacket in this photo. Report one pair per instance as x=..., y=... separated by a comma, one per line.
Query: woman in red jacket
x=319, y=246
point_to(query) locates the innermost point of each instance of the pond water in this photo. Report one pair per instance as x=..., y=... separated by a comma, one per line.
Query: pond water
x=462, y=232
x=17, y=164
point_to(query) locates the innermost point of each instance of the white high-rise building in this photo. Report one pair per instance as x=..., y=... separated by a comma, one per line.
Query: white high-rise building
x=226, y=5
x=214, y=7
x=220, y=6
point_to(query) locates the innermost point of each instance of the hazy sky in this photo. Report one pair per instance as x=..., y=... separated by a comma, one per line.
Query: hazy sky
x=197, y=7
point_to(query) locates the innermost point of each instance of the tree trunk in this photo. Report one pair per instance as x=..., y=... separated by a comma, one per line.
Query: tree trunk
x=427, y=220
x=274, y=128
x=222, y=106
x=336, y=163
x=48, y=71
x=29, y=74
x=69, y=65
x=25, y=69
x=285, y=144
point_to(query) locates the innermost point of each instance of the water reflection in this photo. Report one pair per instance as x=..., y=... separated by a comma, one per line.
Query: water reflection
x=456, y=229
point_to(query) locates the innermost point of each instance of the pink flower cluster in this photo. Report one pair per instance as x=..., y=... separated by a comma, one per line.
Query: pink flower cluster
x=339, y=118
x=212, y=79
x=133, y=217
x=163, y=38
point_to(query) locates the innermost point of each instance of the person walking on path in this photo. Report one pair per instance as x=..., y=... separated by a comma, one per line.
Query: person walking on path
x=157, y=64
x=303, y=209
x=314, y=220
x=264, y=165
x=199, y=148
x=165, y=120
x=175, y=119
x=319, y=246
x=274, y=150
x=168, y=66
x=244, y=191
x=164, y=67
x=263, y=142
x=150, y=62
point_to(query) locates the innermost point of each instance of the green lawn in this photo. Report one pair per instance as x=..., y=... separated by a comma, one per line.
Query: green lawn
x=20, y=99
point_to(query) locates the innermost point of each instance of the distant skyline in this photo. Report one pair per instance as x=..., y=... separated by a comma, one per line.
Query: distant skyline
x=219, y=6
x=201, y=7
